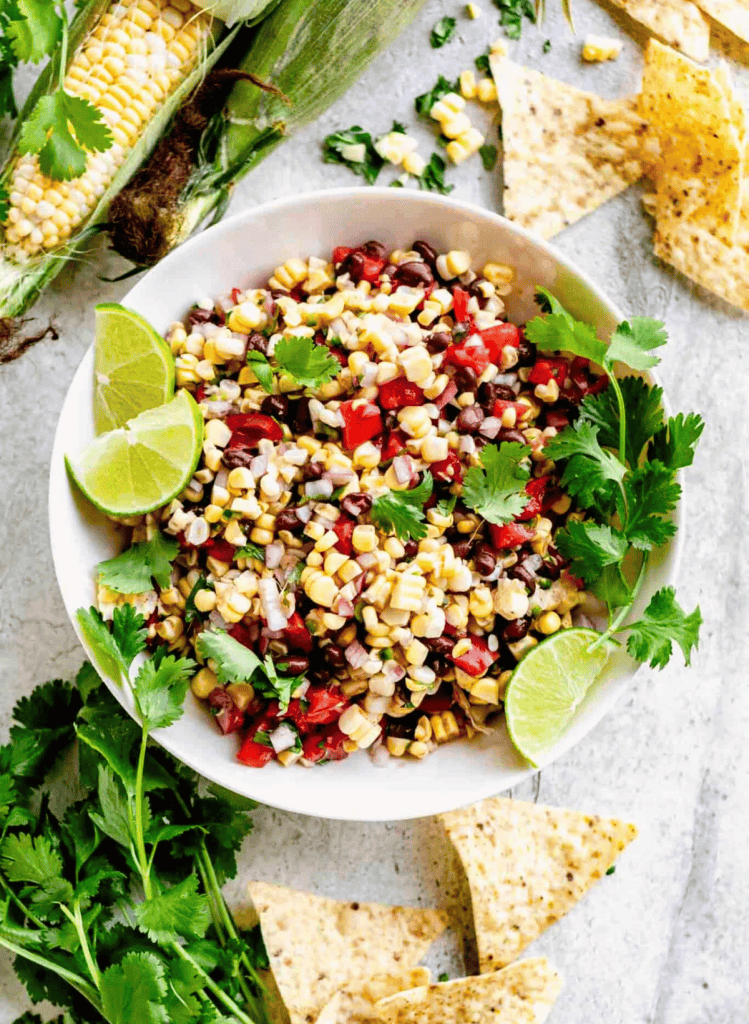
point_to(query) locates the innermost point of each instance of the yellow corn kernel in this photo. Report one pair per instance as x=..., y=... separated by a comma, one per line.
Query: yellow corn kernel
x=352, y=719
x=327, y=541
x=446, y=108
x=415, y=420
x=414, y=164
x=233, y=533
x=366, y=456
x=408, y=593
x=416, y=653
x=333, y=562
x=434, y=449
x=548, y=393
x=205, y=600
x=521, y=647
x=542, y=536
x=364, y=539
x=599, y=48
x=486, y=90
x=203, y=683
x=245, y=317
x=548, y=623
x=349, y=571
x=486, y=689
x=261, y=536
x=467, y=85
x=396, y=745
x=473, y=11
x=480, y=602
x=453, y=263
x=419, y=750
x=322, y=590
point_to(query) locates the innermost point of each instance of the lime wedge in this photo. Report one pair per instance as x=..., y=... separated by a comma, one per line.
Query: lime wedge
x=143, y=465
x=547, y=687
x=133, y=367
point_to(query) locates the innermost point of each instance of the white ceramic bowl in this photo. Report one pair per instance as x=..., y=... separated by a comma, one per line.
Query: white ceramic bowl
x=243, y=251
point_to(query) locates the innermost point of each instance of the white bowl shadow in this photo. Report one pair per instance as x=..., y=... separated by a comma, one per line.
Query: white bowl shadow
x=243, y=251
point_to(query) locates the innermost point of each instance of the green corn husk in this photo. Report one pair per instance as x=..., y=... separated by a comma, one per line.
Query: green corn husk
x=310, y=50
x=21, y=284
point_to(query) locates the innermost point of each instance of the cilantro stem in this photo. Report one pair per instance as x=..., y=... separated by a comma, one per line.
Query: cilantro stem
x=622, y=418
x=74, y=980
x=21, y=906
x=77, y=921
x=616, y=624
x=209, y=983
x=139, y=836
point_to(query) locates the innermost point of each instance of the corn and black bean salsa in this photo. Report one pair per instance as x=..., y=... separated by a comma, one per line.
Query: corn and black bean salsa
x=326, y=528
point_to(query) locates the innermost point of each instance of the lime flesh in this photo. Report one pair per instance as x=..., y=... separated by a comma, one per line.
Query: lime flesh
x=143, y=465
x=133, y=367
x=548, y=686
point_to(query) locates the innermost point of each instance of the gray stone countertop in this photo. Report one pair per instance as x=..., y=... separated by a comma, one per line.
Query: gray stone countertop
x=665, y=940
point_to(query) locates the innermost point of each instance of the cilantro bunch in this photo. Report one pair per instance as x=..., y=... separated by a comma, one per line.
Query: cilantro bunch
x=112, y=907
x=619, y=463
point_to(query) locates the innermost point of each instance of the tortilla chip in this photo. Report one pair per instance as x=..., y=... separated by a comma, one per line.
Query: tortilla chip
x=677, y=22
x=527, y=866
x=523, y=993
x=317, y=946
x=698, y=166
x=731, y=14
x=359, y=1007
x=565, y=151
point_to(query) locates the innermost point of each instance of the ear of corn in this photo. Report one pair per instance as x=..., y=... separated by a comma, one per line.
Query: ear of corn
x=136, y=61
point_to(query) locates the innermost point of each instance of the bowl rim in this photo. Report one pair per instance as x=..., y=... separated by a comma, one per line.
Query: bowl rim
x=228, y=225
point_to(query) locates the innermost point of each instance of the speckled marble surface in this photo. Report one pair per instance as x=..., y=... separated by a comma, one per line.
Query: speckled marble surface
x=665, y=940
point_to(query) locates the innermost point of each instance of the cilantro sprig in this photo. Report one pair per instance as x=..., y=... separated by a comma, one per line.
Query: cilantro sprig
x=619, y=463
x=402, y=512
x=495, y=489
x=309, y=364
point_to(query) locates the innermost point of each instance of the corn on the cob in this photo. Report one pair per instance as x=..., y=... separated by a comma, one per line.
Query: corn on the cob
x=131, y=62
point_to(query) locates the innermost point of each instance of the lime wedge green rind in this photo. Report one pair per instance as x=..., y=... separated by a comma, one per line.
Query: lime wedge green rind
x=139, y=467
x=133, y=367
x=548, y=686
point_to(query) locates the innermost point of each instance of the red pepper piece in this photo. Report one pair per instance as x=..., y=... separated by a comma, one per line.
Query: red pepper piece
x=250, y=428
x=579, y=583
x=241, y=634
x=548, y=369
x=360, y=424
x=495, y=338
x=220, y=549
x=447, y=395
x=557, y=419
x=255, y=755
x=371, y=269
x=333, y=740
x=511, y=535
x=436, y=703
x=313, y=747
x=200, y=393
x=343, y=528
x=477, y=660
x=235, y=295
x=395, y=443
x=542, y=497
x=449, y=470
x=340, y=253
x=501, y=405
x=460, y=304
x=476, y=355
x=399, y=392
x=326, y=705
x=297, y=634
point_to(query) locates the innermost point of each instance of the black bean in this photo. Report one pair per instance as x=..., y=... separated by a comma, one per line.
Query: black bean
x=470, y=418
x=356, y=504
x=257, y=343
x=335, y=656
x=376, y=250
x=474, y=290
x=511, y=435
x=439, y=665
x=440, y=645
x=519, y=572
x=486, y=561
x=516, y=630
x=300, y=416
x=296, y=664
x=488, y=394
x=465, y=378
x=354, y=265
x=526, y=351
x=438, y=342
x=198, y=315
x=427, y=253
x=233, y=458
x=320, y=675
x=390, y=420
x=275, y=405
x=288, y=520
x=410, y=549
x=462, y=548
x=313, y=471
x=414, y=274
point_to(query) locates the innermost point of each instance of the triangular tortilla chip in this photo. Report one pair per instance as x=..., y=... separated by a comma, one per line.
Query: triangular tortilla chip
x=677, y=22
x=318, y=946
x=698, y=167
x=359, y=1007
x=527, y=866
x=565, y=151
x=522, y=993
x=732, y=14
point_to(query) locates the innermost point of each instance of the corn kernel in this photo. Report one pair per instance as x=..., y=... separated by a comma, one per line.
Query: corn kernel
x=456, y=126
x=414, y=164
x=599, y=48
x=473, y=11
x=486, y=90
x=233, y=533
x=467, y=85
x=396, y=745
x=548, y=623
x=416, y=653
x=321, y=590
x=418, y=750
x=203, y=683
x=423, y=730
x=364, y=539
x=205, y=600
x=486, y=689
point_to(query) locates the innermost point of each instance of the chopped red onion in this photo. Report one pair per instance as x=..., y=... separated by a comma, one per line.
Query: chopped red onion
x=393, y=671
x=273, y=554
x=508, y=379
x=218, y=621
x=321, y=488
x=282, y=738
x=356, y=655
x=304, y=513
x=340, y=475
x=222, y=478
x=259, y=465
x=403, y=468
x=270, y=604
x=491, y=426
x=344, y=608
x=370, y=375
x=467, y=445
x=367, y=561
x=217, y=410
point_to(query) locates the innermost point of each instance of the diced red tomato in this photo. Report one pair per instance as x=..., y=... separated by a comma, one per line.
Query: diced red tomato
x=313, y=747
x=371, y=269
x=343, y=528
x=254, y=755
x=395, y=443
x=220, y=549
x=549, y=369
x=579, y=583
x=495, y=338
x=297, y=634
x=511, y=535
x=477, y=660
x=399, y=392
x=557, y=419
x=447, y=395
x=235, y=295
x=501, y=405
x=200, y=393
x=436, y=703
x=460, y=304
x=326, y=705
x=241, y=634
x=361, y=422
x=472, y=353
x=542, y=497
x=448, y=470
x=251, y=427
x=333, y=740
x=340, y=253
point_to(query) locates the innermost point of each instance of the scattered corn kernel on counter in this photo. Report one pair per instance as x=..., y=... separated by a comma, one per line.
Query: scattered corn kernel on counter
x=326, y=529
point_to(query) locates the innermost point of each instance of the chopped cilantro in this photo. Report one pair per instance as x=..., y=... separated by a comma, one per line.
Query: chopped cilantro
x=611, y=870
x=496, y=488
x=547, y=46
x=442, y=32
x=191, y=612
x=258, y=363
x=511, y=14
x=426, y=101
x=446, y=506
x=309, y=364
x=354, y=148
x=443, y=977
x=488, y=156
x=402, y=512
x=482, y=63
x=134, y=570
x=432, y=178
x=251, y=551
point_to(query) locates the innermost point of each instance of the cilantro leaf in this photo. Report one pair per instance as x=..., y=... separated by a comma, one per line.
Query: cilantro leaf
x=591, y=547
x=87, y=680
x=235, y=663
x=309, y=364
x=432, y=178
x=132, y=571
x=354, y=148
x=632, y=340
x=442, y=32
x=36, y=31
x=643, y=415
x=160, y=688
x=446, y=506
x=100, y=640
x=511, y=14
x=482, y=63
x=612, y=587
x=496, y=488
x=663, y=622
x=651, y=493
x=61, y=129
x=114, y=820
x=180, y=912
x=128, y=632
x=560, y=332
x=402, y=512
x=591, y=474
x=276, y=686
x=488, y=156
x=191, y=612
x=675, y=442
x=134, y=989
x=426, y=101
x=26, y=859
x=258, y=363
x=253, y=551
